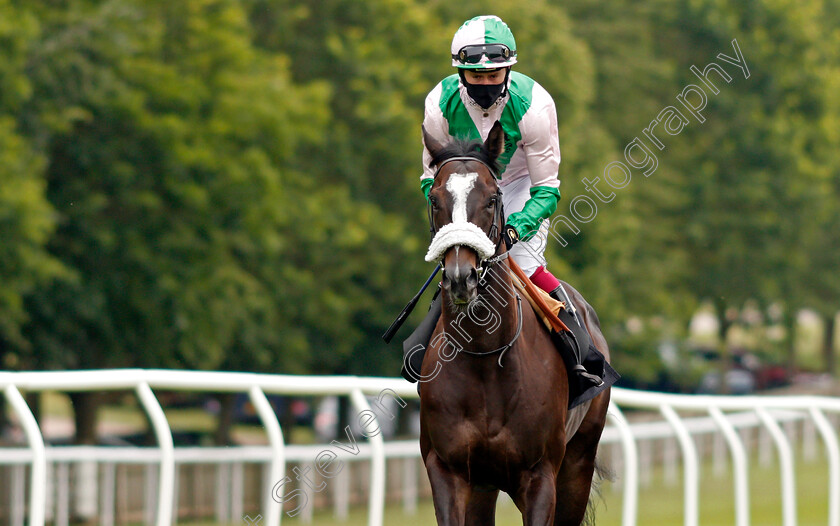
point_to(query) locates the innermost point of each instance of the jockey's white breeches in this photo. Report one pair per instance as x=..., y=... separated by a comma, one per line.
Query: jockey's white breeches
x=527, y=254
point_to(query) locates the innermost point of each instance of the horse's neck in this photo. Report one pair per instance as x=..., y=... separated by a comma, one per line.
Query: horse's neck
x=491, y=319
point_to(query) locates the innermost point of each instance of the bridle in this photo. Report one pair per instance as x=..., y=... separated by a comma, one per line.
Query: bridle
x=494, y=234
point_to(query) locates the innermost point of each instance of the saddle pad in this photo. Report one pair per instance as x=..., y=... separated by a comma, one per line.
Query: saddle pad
x=546, y=307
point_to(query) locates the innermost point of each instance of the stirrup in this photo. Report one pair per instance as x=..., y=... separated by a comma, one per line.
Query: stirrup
x=580, y=370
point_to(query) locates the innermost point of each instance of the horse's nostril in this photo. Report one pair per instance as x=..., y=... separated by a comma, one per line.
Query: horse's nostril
x=472, y=279
x=446, y=283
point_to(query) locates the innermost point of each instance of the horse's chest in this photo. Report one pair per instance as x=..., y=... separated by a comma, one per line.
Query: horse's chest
x=503, y=445
x=496, y=437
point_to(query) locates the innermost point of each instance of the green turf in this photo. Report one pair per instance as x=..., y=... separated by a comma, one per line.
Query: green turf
x=664, y=505
x=660, y=505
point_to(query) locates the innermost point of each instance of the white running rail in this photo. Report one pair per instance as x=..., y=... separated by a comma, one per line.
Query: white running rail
x=726, y=415
x=770, y=410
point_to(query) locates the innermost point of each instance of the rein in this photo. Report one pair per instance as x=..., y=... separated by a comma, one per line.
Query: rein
x=504, y=348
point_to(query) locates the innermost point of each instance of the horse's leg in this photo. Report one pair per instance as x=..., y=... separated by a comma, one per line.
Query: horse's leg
x=450, y=492
x=481, y=509
x=536, y=495
x=574, y=482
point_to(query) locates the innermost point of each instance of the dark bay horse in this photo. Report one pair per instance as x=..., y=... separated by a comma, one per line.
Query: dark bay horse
x=494, y=389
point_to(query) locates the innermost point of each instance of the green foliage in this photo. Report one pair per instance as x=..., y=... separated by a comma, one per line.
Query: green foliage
x=234, y=183
x=373, y=56
x=170, y=143
x=26, y=218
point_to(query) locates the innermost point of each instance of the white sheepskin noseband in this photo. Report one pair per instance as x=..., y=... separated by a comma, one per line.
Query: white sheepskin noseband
x=460, y=233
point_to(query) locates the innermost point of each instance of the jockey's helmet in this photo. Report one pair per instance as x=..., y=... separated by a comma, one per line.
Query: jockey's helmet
x=483, y=43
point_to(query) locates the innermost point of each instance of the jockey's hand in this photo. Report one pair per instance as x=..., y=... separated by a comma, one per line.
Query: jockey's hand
x=510, y=235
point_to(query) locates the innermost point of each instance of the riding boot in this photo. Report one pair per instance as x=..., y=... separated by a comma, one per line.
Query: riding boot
x=579, y=343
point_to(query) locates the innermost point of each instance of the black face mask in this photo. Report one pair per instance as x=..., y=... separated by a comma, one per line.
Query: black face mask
x=485, y=95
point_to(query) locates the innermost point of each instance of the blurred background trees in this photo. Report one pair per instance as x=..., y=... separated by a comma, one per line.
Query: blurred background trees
x=233, y=184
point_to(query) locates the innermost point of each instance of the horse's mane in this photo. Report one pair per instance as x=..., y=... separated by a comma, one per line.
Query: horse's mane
x=461, y=148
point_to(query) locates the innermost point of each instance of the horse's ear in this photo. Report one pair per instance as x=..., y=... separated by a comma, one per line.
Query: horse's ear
x=431, y=144
x=495, y=142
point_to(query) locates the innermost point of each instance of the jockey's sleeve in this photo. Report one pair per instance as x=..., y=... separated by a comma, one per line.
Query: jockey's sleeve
x=541, y=205
x=541, y=146
x=435, y=125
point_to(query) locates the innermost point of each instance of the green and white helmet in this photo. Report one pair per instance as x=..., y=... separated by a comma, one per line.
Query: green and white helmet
x=483, y=42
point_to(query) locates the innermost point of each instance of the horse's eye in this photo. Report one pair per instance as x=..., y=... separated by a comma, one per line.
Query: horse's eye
x=491, y=203
x=434, y=202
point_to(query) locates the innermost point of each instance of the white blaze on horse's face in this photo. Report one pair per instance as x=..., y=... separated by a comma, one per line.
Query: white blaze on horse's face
x=460, y=186
x=460, y=231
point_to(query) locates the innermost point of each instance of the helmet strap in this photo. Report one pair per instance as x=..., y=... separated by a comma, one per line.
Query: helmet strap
x=505, y=82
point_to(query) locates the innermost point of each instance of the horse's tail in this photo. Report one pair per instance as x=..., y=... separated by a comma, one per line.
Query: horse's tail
x=602, y=473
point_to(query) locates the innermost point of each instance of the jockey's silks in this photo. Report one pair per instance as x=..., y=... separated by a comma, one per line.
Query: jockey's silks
x=529, y=119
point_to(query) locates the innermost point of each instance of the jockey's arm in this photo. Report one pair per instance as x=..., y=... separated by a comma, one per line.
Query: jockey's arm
x=542, y=153
x=436, y=126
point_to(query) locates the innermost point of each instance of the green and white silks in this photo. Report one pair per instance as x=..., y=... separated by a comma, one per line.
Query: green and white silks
x=529, y=120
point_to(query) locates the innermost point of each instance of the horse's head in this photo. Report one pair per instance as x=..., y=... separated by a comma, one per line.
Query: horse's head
x=465, y=210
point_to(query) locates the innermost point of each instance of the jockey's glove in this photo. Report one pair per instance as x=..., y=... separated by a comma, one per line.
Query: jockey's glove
x=540, y=206
x=426, y=186
x=510, y=235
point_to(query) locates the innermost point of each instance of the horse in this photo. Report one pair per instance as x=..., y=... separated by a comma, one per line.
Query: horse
x=494, y=390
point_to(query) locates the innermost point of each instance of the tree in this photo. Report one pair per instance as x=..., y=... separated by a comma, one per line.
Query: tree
x=169, y=143
x=26, y=218
x=736, y=199
x=635, y=254
x=761, y=175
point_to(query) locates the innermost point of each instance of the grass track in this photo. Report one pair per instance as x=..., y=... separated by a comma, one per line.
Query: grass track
x=663, y=506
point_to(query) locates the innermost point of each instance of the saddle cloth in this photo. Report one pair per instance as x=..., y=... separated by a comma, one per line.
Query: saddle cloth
x=546, y=307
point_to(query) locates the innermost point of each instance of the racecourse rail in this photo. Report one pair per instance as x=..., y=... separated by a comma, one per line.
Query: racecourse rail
x=727, y=415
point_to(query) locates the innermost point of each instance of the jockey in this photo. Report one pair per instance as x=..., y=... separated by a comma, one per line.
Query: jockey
x=467, y=104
